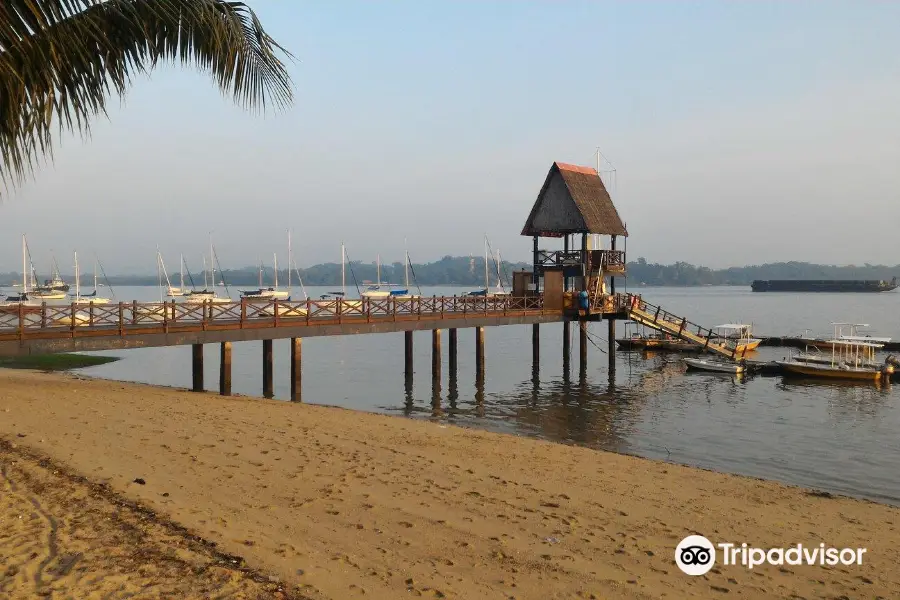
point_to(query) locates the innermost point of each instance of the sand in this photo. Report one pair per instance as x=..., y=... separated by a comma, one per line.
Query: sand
x=346, y=504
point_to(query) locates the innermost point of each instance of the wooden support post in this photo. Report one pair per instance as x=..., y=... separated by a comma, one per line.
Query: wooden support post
x=536, y=345
x=436, y=355
x=197, y=355
x=611, y=352
x=479, y=351
x=451, y=358
x=582, y=345
x=536, y=273
x=408, y=352
x=267, y=370
x=296, y=370
x=225, y=369
x=566, y=342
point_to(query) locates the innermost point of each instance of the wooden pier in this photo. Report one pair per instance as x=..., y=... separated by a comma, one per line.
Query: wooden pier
x=565, y=285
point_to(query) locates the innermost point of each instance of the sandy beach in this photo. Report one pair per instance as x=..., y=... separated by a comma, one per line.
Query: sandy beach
x=336, y=504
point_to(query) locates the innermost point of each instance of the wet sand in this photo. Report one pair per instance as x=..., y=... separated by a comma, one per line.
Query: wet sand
x=346, y=504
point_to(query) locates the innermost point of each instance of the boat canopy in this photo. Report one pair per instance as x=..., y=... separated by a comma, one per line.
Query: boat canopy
x=737, y=326
x=865, y=338
x=854, y=344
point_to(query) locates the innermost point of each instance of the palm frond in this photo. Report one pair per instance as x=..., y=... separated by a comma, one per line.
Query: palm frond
x=61, y=61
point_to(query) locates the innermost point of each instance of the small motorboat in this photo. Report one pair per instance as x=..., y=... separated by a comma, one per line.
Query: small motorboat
x=715, y=366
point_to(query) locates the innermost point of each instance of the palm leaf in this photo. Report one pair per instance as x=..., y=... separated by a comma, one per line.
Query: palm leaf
x=61, y=61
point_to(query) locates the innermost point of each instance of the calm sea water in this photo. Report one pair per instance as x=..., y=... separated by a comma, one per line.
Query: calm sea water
x=833, y=436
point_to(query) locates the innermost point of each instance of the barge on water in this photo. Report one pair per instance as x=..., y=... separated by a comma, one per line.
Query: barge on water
x=823, y=285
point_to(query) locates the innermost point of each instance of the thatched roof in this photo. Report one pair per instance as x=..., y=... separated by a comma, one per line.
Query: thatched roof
x=573, y=200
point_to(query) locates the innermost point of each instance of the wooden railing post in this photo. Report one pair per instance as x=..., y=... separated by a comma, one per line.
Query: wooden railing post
x=243, y=311
x=275, y=310
x=134, y=312
x=21, y=321
x=121, y=318
x=91, y=314
x=43, y=314
x=72, y=316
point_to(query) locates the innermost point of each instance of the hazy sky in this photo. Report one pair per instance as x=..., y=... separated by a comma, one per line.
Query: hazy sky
x=740, y=132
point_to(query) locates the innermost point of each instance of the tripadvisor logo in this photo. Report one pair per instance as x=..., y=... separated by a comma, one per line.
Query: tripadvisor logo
x=696, y=555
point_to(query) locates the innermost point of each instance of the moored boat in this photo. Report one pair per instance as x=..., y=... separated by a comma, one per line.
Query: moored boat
x=850, y=359
x=737, y=336
x=715, y=366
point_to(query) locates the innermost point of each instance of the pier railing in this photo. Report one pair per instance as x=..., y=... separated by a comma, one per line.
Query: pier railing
x=49, y=320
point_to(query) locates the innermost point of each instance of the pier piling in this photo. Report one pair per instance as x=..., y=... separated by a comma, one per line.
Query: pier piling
x=612, y=344
x=408, y=352
x=567, y=343
x=296, y=370
x=582, y=345
x=436, y=355
x=225, y=368
x=267, y=371
x=479, y=352
x=536, y=345
x=197, y=366
x=451, y=350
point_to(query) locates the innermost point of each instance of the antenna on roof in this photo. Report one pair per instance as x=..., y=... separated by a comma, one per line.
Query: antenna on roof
x=610, y=171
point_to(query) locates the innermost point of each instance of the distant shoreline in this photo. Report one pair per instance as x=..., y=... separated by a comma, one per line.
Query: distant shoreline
x=470, y=271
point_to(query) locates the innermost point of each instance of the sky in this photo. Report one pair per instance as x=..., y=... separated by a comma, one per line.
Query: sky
x=739, y=133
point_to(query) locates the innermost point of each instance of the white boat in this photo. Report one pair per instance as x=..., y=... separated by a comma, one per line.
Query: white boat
x=271, y=292
x=177, y=292
x=738, y=336
x=23, y=298
x=715, y=366
x=850, y=358
x=498, y=290
x=380, y=290
x=86, y=300
x=208, y=293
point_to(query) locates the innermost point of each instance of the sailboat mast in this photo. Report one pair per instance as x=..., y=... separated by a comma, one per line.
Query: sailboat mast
x=343, y=275
x=205, y=273
x=77, y=280
x=180, y=272
x=159, y=273
x=260, y=270
x=24, y=266
x=212, y=264
x=95, y=279
x=406, y=265
x=377, y=269
x=487, y=284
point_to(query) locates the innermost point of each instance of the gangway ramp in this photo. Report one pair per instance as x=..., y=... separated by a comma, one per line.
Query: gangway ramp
x=657, y=318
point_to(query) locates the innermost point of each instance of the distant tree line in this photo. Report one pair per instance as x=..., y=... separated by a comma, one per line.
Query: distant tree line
x=464, y=270
x=686, y=274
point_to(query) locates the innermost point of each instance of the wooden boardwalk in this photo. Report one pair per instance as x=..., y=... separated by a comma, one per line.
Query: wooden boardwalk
x=66, y=328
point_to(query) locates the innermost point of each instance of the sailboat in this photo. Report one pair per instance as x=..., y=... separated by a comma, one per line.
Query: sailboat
x=55, y=283
x=498, y=291
x=174, y=292
x=21, y=298
x=271, y=292
x=343, y=291
x=376, y=291
x=207, y=294
x=87, y=299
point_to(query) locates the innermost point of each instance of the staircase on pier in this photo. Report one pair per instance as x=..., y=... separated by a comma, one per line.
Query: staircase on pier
x=656, y=318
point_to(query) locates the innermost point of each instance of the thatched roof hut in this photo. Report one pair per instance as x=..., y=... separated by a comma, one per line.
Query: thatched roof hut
x=573, y=200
